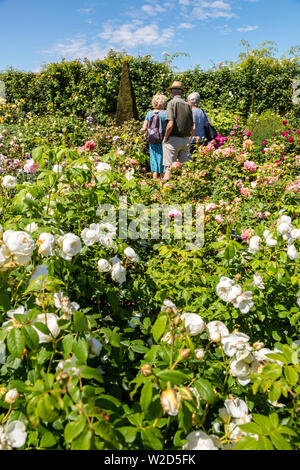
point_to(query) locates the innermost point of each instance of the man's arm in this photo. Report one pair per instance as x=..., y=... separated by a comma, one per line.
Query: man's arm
x=169, y=129
x=193, y=131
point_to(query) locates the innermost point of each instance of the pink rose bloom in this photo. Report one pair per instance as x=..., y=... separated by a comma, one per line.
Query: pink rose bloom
x=291, y=139
x=174, y=213
x=176, y=165
x=249, y=133
x=250, y=166
x=219, y=219
x=90, y=146
x=284, y=134
x=247, y=233
x=248, y=144
x=31, y=166
x=244, y=191
x=264, y=143
x=284, y=123
x=210, y=207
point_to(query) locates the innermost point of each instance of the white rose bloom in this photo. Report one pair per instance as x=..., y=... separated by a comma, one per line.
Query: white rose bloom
x=270, y=241
x=234, y=293
x=50, y=320
x=241, y=370
x=292, y=252
x=234, y=342
x=199, y=440
x=70, y=246
x=57, y=168
x=18, y=310
x=95, y=347
x=9, y=182
x=46, y=243
x=106, y=241
x=284, y=228
x=236, y=408
x=19, y=243
x=69, y=365
x=31, y=228
x=131, y=255
x=107, y=228
x=104, y=266
x=13, y=435
x=244, y=302
x=102, y=167
x=5, y=255
x=194, y=324
x=129, y=174
x=118, y=273
x=254, y=244
x=115, y=260
x=224, y=287
x=90, y=236
x=216, y=330
x=298, y=300
x=295, y=233
x=169, y=304
x=258, y=282
x=262, y=355
x=11, y=396
x=284, y=219
x=199, y=354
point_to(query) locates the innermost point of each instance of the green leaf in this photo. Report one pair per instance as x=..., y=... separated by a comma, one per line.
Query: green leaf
x=272, y=371
x=159, y=327
x=74, y=428
x=129, y=433
x=205, y=390
x=83, y=441
x=146, y=396
x=46, y=409
x=48, y=440
x=247, y=443
x=291, y=375
x=81, y=349
x=264, y=443
x=280, y=443
x=152, y=439
x=91, y=373
x=80, y=321
x=67, y=344
x=31, y=337
x=176, y=377
x=5, y=302
x=15, y=342
x=106, y=432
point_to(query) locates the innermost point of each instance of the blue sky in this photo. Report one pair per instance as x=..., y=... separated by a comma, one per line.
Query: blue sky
x=36, y=32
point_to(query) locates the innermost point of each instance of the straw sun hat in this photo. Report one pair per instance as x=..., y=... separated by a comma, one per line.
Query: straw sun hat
x=177, y=85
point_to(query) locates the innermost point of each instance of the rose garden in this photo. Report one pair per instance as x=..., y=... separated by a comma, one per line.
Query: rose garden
x=140, y=316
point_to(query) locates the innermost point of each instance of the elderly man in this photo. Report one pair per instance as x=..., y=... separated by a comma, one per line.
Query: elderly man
x=180, y=129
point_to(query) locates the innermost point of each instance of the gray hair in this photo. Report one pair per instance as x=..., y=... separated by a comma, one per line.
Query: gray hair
x=159, y=101
x=194, y=98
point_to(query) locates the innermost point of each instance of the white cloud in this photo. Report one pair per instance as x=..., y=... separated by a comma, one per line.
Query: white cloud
x=186, y=26
x=85, y=11
x=152, y=9
x=77, y=48
x=247, y=28
x=204, y=10
x=136, y=34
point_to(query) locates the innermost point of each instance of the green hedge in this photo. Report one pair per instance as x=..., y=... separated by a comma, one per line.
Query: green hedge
x=257, y=82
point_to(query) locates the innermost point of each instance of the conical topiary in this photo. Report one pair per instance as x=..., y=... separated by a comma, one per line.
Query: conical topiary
x=126, y=106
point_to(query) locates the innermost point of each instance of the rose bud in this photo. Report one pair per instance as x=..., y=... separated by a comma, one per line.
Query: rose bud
x=146, y=370
x=184, y=353
x=11, y=396
x=170, y=401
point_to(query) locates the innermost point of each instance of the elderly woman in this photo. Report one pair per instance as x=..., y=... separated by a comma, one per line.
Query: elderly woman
x=200, y=120
x=159, y=102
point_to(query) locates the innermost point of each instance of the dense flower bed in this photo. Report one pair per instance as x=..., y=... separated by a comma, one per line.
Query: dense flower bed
x=136, y=342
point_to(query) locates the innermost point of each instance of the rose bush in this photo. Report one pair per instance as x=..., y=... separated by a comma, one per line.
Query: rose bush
x=131, y=342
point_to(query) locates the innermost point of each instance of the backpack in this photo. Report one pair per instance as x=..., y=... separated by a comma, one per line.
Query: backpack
x=155, y=132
